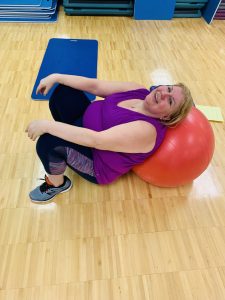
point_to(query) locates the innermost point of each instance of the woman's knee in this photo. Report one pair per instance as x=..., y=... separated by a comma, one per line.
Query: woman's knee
x=55, y=97
x=48, y=143
x=44, y=144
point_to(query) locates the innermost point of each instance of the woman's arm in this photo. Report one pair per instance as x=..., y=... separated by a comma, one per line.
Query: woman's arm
x=133, y=137
x=94, y=86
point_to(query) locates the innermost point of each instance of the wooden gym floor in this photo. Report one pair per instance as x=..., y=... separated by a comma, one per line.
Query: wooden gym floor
x=128, y=240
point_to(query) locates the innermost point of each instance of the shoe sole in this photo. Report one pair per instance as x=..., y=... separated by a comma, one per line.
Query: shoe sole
x=51, y=199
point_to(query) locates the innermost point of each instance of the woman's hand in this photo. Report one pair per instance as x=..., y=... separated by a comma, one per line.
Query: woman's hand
x=37, y=128
x=46, y=84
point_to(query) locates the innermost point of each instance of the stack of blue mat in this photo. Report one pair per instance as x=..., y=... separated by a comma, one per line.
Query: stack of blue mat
x=189, y=8
x=28, y=10
x=99, y=7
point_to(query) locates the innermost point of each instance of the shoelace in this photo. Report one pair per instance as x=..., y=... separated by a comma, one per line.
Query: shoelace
x=45, y=185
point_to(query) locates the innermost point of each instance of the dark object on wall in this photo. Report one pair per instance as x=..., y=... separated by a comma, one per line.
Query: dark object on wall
x=189, y=8
x=99, y=7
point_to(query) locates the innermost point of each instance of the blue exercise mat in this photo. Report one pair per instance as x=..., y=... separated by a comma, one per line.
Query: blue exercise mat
x=68, y=56
x=24, y=11
x=45, y=4
x=25, y=15
x=49, y=19
x=46, y=11
x=20, y=2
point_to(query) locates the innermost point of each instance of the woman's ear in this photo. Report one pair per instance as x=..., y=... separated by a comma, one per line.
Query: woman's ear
x=166, y=118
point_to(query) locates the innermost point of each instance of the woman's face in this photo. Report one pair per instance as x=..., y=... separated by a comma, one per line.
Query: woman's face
x=164, y=100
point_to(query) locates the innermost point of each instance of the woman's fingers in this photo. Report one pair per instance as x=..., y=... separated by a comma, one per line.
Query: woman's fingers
x=33, y=137
x=45, y=85
x=30, y=134
x=41, y=89
x=35, y=129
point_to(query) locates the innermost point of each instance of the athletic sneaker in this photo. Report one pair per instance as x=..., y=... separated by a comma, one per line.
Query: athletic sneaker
x=46, y=191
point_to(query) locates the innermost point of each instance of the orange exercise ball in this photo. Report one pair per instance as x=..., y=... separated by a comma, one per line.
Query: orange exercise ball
x=184, y=154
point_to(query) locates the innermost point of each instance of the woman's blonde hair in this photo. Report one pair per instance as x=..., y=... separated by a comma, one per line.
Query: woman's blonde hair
x=183, y=109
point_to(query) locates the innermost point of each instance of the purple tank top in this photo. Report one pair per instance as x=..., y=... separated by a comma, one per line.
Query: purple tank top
x=102, y=115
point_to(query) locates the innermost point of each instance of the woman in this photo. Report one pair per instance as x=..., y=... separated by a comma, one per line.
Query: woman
x=104, y=139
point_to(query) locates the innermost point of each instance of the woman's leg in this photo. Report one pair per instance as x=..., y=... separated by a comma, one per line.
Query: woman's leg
x=67, y=105
x=56, y=180
x=56, y=154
